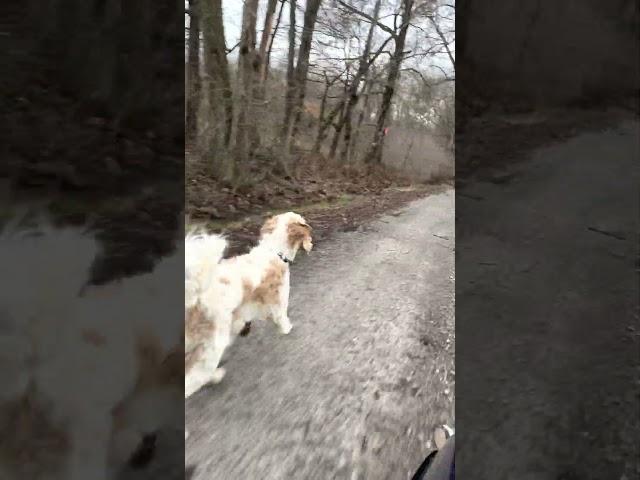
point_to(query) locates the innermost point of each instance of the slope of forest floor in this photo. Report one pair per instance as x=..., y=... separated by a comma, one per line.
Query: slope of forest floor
x=330, y=199
x=488, y=142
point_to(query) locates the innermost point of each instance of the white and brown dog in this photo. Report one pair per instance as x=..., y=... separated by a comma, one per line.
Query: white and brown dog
x=222, y=297
x=84, y=378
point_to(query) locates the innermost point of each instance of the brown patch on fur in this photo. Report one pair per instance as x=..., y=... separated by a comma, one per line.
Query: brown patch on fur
x=269, y=226
x=173, y=367
x=156, y=368
x=247, y=290
x=93, y=337
x=299, y=235
x=33, y=446
x=225, y=281
x=268, y=291
x=150, y=354
x=197, y=326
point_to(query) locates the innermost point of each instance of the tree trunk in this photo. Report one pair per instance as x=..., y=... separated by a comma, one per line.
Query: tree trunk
x=302, y=66
x=193, y=71
x=247, y=74
x=375, y=151
x=363, y=67
x=323, y=108
x=323, y=102
x=366, y=92
x=325, y=124
x=289, y=95
x=267, y=62
x=216, y=65
x=338, y=132
x=264, y=39
x=261, y=66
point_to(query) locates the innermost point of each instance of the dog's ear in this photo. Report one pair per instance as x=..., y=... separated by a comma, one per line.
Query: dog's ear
x=269, y=226
x=300, y=236
x=307, y=242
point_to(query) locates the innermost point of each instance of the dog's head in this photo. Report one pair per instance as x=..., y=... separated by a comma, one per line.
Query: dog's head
x=288, y=232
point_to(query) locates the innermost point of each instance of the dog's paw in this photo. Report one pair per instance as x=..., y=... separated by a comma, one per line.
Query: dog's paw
x=218, y=375
x=285, y=329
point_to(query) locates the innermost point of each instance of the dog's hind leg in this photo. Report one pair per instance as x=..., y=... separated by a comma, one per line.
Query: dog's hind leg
x=197, y=378
x=194, y=377
x=206, y=369
x=220, y=343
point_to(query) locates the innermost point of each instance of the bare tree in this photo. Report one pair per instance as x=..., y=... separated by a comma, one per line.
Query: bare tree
x=367, y=92
x=291, y=58
x=262, y=58
x=350, y=70
x=216, y=64
x=339, y=126
x=325, y=121
x=302, y=65
x=352, y=94
x=264, y=39
x=247, y=74
x=375, y=152
x=193, y=71
x=267, y=62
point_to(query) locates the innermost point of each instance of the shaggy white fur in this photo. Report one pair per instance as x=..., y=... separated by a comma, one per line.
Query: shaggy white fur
x=67, y=361
x=231, y=293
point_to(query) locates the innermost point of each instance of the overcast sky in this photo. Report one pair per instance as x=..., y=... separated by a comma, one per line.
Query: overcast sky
x=232, y=14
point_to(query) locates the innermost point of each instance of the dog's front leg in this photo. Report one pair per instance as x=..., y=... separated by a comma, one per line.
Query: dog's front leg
x=279, y=312
x=281, y=319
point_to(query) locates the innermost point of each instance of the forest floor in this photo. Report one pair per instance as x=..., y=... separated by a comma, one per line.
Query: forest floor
x=488, y=143
x=331, y=199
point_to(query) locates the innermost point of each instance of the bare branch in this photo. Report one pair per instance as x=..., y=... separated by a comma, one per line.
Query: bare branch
x=426, y=81
x=229, y=50
x=444, y=40
x=382, y=26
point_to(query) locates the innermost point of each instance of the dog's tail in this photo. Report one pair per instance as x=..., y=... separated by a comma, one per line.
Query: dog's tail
x=202, y=254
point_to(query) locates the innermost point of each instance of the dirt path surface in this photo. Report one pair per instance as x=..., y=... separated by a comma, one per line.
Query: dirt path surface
x=350, y=213
x=367, y=372
x=527, y=366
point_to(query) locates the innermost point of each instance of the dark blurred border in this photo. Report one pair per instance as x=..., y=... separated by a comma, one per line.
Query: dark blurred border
x=92, y=129
x=93, y=119
x=547, y=193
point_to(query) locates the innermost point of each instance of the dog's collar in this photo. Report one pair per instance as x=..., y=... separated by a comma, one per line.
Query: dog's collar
x=283, y=258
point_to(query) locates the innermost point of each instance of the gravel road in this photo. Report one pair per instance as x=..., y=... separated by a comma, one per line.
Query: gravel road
x=540, y=393
x=367, y=372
